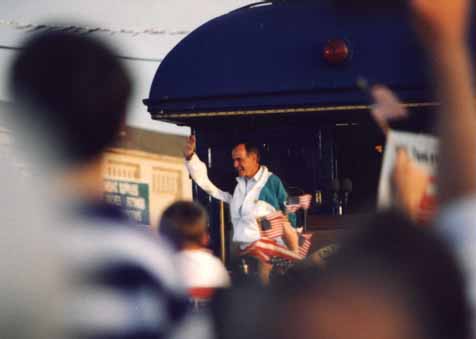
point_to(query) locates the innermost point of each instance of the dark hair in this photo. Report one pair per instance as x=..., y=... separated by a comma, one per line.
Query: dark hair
x=74, y=89
x=182, y=222
x=251, y=148
x=392, y=251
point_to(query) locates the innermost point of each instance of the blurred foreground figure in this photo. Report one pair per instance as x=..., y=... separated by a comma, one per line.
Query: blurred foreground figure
x=443, y=29
x=71, y=94
x=391, y=281
x=443, y=26
x=244, y=311
x=33, y=287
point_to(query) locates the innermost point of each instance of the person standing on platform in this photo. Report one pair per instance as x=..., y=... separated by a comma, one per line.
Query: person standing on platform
x=259, y=195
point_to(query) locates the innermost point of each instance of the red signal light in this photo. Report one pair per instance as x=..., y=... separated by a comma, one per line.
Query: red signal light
x=336, y=52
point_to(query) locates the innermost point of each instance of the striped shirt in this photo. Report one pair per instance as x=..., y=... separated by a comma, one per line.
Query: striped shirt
x=125, y=282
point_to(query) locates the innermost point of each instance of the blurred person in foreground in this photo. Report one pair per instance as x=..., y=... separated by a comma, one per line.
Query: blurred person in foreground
x=244, y=311
x=443, y=28
x=185, y=224
x=390, y=281
x=71, y=94
x=32, y=276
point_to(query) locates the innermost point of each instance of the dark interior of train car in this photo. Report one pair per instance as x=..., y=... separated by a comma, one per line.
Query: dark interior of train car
x=312, y=156
x=309, y=155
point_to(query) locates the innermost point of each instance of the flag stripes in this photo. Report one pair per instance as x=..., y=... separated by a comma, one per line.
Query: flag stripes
x=293, y=204
x=272, y=225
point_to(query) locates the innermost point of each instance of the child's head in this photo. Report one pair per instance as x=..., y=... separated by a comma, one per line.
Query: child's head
x=184, y=223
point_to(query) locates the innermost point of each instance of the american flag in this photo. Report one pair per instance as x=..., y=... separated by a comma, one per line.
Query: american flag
x=266, y=249
x=295, y=203
x=272, y=225
x=304, y=244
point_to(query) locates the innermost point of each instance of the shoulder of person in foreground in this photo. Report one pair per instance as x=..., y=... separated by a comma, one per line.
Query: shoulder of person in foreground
x=121, y=270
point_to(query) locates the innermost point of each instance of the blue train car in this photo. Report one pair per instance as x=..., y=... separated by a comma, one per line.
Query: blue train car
x=284, y=74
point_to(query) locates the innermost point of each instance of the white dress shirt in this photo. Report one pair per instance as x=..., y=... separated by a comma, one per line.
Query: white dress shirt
x=242, y=202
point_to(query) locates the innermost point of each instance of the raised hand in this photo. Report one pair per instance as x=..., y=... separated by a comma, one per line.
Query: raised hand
x=443, y=27
x=441, y=21
x=190, y=146
x=387, y=107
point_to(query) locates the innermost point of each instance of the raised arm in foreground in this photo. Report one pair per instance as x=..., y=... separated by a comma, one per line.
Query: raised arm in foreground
x=443, y=25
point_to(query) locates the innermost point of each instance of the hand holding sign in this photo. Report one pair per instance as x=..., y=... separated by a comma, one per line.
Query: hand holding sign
x=410, y=182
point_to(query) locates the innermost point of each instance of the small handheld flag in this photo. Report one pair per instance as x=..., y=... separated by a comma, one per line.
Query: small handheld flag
x=272, y=225
x=293, y=204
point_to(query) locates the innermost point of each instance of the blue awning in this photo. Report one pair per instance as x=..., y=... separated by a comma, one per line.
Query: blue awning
x=268, y=58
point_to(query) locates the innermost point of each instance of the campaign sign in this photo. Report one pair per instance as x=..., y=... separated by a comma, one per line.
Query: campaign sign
x=131, y=197
x=423, y=151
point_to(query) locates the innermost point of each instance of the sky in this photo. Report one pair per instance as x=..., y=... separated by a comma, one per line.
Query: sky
x=172, y=19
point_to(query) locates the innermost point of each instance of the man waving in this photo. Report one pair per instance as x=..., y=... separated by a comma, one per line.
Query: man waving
x=258, y=194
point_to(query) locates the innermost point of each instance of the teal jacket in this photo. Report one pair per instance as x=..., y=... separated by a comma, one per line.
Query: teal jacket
x=275, y=194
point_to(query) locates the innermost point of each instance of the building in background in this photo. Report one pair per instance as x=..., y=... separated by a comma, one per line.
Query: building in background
x=145, y=173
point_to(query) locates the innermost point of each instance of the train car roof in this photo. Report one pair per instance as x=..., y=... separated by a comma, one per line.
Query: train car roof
x=269, y=58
